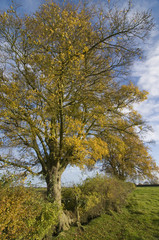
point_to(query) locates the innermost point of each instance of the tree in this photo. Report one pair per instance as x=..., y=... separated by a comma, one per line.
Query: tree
x=61, y=84
x=128, y=157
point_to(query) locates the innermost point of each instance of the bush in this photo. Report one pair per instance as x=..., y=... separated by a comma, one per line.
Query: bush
x=69, y=198
x=96, y=196
x=46, y=222
x=24, y=214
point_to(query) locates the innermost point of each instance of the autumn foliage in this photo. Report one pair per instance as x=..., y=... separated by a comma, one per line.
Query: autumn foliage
x=64, y=83
x=129, y=157
x=23, y=212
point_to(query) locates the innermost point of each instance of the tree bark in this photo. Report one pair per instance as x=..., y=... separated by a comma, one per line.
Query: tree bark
x=53, y=180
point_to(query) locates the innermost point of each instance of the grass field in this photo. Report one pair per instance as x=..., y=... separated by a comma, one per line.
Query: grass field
x=139, y=220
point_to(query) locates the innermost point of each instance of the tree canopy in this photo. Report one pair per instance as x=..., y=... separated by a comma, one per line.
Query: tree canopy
x=129, y=157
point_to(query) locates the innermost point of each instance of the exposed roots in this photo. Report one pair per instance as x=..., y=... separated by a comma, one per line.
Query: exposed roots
x=65, y=221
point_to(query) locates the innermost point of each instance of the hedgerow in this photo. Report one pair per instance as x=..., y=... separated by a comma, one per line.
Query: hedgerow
x=96, y=196
x=24, y=213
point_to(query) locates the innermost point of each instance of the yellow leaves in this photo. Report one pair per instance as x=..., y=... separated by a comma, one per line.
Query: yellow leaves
x=97, y=148
x=116, y=145
x=51, y=31
x=101, y=119
x=128, y=156
x=92, y=201
x=62, y=56
x=133, y=94
x=18, y=212
x=86, y=151
x=74, y=141
x=78, y=150
x=4, y=14
x=85, y=49
x=74, y=126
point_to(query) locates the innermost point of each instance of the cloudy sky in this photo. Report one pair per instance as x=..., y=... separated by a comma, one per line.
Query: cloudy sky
x=146, y=72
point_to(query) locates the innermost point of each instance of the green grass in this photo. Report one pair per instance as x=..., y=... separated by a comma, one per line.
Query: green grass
x=138, y=220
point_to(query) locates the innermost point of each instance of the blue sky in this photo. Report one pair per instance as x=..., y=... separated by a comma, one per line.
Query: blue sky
x=146, y=72
x=27, y=6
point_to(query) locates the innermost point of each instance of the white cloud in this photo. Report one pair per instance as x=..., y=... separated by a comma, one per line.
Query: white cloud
x=147, y=73
x=148, y=108
x=73, y=175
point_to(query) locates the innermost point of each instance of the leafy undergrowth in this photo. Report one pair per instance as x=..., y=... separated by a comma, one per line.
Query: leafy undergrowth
x=139, y=220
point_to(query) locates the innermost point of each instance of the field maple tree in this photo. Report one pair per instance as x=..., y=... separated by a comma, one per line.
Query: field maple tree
x=61, y=84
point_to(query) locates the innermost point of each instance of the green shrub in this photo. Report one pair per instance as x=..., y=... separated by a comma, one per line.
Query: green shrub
x=46, y=222
x=24, y=214
x=96, y=196
x=69, y=198
x=117, y=193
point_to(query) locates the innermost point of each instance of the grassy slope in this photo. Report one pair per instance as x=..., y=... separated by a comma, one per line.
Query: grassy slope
x=139, y=220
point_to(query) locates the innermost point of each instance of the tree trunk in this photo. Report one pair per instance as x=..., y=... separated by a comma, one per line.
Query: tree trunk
x=53, y=180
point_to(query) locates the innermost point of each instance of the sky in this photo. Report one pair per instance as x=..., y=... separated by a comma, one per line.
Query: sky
x=145, y=72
